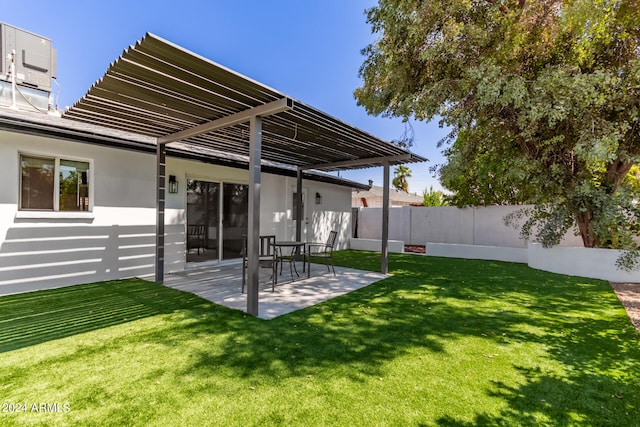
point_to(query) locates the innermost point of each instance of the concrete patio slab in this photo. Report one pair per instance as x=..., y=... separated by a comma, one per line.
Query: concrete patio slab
x=222, y=284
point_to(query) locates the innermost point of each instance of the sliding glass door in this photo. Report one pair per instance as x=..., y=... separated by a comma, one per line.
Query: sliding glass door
x=203, y=220
x=235, y=219
x=217, y=219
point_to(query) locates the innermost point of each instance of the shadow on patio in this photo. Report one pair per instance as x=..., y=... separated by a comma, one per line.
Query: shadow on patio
x=222, y=284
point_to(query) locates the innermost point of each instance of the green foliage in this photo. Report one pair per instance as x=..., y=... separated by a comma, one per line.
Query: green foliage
x=484, y=174
x=69, y=184
x=399, y=182
x=434, y=198
x=543, y=99
x=632, y=182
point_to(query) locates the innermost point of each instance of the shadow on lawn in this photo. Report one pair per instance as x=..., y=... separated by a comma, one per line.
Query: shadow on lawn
x=36, y=317
x=583, y=398
x=425, y=304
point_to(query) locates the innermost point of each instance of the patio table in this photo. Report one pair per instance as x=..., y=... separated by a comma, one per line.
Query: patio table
x=295, y=250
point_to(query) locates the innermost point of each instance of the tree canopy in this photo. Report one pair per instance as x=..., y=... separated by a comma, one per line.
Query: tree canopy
x=399, y=182
x=542, y=96
x=433, y=197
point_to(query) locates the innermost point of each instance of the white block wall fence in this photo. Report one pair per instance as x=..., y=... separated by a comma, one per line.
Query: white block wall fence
x=416, y=225
x=480, y=233
x=584, y=262
x=395, y=246
x=495, y=253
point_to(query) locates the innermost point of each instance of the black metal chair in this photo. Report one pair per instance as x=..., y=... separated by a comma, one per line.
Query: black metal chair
x=324, y=250
x=267, y=258
x=196, y=237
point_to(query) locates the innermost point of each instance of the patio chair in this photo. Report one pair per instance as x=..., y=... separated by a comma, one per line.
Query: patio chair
x=324, y=250
x=195, y=237
x=267, y=258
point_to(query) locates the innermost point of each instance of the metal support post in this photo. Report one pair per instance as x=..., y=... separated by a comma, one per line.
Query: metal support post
x=253, y=232
x=384, y=262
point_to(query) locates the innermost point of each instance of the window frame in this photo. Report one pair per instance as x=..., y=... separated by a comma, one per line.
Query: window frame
x=25, y=212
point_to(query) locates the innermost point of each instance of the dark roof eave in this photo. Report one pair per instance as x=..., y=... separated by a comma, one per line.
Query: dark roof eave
x=58, y=132
x=275, y=170
x=31, y=127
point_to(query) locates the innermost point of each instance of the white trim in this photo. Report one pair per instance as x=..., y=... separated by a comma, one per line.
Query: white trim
x=56, y=184
x=54, y=215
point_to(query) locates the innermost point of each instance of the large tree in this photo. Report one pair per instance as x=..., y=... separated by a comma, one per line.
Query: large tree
x=399, y=182
x=542, y=96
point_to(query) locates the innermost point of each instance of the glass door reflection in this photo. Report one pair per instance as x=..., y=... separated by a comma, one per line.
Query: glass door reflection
x=235, y=219
x=203, y=220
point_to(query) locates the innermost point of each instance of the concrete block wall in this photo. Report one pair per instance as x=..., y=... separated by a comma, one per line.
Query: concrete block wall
x=584, y=262
x=480, y=233
x=417, y=225
x=573, y=261
x=394, y=246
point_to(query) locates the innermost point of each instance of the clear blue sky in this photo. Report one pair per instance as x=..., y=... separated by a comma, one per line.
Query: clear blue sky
x=309, y=50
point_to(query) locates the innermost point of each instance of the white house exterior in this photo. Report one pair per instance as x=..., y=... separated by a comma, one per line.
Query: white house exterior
x=167, y=153
x=114, y=236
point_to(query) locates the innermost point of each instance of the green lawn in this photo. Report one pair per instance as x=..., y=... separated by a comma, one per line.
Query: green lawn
x=443, y=342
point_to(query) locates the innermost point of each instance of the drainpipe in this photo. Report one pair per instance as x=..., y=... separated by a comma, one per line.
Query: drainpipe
x=14, y=84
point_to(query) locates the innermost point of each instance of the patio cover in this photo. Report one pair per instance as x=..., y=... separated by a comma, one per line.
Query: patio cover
x=161, y=90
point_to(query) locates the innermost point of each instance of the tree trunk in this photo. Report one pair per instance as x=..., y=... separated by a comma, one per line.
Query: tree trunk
x=584, y=221
x=616, y=171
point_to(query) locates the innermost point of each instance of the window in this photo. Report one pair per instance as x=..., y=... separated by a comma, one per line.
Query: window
x=53, y=184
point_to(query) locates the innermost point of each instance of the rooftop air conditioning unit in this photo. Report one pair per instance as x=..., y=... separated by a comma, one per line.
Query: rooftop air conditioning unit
x=35, y=64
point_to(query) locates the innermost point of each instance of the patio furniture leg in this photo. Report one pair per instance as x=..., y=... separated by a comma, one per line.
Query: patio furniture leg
x=325, y=251
x=274, y=277
x=291, y=258
x=244, y=275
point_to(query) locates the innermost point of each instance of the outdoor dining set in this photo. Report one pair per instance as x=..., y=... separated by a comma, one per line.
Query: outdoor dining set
x=273, y=254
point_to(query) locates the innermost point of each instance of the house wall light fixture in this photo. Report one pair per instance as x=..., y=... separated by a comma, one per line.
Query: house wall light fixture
x=173, y=184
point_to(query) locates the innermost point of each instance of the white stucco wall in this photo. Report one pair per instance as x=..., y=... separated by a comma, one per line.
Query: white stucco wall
x=417, y=225
x=334, y=213
x=496, y=253
x=394, y=246
x=584, y=262
x=117, y=239
x=46, y=249
x=370, y=223
x=592, y=263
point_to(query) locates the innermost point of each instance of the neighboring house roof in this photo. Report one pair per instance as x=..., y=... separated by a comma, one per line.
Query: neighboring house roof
x=47, y=125
x=373, y=198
